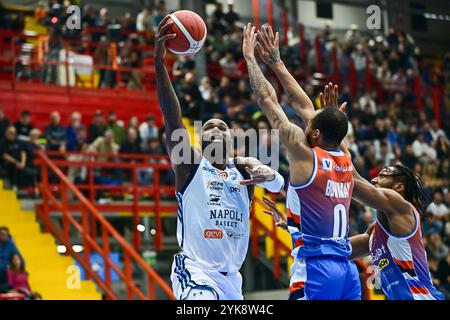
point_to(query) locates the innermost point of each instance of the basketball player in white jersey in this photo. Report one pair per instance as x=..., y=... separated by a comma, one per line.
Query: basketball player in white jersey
x=214, y=199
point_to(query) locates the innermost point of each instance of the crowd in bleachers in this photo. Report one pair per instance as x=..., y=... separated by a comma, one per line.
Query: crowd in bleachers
x=13, y=275
x=104, y=135
x=385, y=125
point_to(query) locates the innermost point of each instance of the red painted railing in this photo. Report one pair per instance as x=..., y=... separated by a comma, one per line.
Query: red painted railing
x=91, y=222
x=127, y=163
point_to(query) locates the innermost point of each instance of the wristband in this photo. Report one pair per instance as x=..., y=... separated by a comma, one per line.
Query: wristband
x=275, y=185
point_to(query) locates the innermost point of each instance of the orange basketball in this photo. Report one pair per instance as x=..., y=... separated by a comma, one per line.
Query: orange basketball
x=190, y=30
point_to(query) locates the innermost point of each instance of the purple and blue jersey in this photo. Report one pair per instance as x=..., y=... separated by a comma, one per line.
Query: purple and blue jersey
x=401, y=264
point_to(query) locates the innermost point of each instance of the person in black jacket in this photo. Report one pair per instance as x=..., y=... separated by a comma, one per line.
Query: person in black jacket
x=24, y=125
x=131, y=144
x=14, y=156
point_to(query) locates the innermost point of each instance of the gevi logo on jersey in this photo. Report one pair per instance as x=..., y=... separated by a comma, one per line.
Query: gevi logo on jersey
x=213, y=234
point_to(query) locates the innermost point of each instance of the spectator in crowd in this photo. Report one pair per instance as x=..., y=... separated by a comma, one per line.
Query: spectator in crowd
x=442, y=147
x=72, y=131
x=7, y=250
x=128, y=24
x=105, y=144
x=145, y=175
x=438, y=209
x=40, y=14
x=229, y=65
x=159, y=13
x=18, y=278
x=231, y=17
x=14, y=158
x=190, y=100
x=148, y=129
x=134, y=123
x=144, y=21
x=35, y=144
x=105, y=57
x=78, y=174
x=89, y=16
x=436, y=248
x=119, y=131
x=4, y=124
x=23, y=125
x=97, y=127
x=103, y=18
x=55, y=133
x=420, y=147
x=131, y=145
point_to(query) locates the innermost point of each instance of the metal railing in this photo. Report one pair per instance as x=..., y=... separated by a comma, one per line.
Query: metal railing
x=91, y=221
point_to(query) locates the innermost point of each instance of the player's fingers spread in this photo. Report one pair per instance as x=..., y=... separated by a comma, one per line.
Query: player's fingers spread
x=254, y=37
x=168, y=36
x=249, y=182
x=322, y=102
x=165, y=27
x=271, y=35
x=277, y=39
x=269, y=202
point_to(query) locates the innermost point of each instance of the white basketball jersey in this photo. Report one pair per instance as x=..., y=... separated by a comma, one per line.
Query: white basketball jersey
x=213, y=218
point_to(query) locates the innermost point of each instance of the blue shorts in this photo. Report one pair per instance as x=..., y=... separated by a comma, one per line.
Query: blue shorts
x=324, y=278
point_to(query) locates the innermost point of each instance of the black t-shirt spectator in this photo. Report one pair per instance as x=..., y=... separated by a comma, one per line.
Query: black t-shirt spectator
x=95, y=131
x=12, y=148
x=130, y=147
x=231, y=17
x=23, y=129
x=56, y=136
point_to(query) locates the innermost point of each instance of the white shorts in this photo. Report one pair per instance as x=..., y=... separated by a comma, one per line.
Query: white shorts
x=187, y=277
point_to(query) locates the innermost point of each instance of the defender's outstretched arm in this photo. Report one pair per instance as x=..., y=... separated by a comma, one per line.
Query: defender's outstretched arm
x=268, y=49
x=291, y=135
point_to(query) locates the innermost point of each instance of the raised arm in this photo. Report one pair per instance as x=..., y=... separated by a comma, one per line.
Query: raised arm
x=268, y=49
x=168, y=101
x=387, y=200
x=175, y=130
x=290, y=134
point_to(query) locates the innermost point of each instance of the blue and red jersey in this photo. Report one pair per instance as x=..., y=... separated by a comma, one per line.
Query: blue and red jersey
x=318, y=210
x=401, y=264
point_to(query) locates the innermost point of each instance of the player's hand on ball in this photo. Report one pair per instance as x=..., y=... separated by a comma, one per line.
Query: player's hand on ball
x=258, y=175
x=249, y=43
x=160, y=41
x=279, y=218
x=330, y=96
x=268, y=45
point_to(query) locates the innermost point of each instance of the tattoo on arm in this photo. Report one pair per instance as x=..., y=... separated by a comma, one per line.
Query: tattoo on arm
x=274, y=55
x=258, y=82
